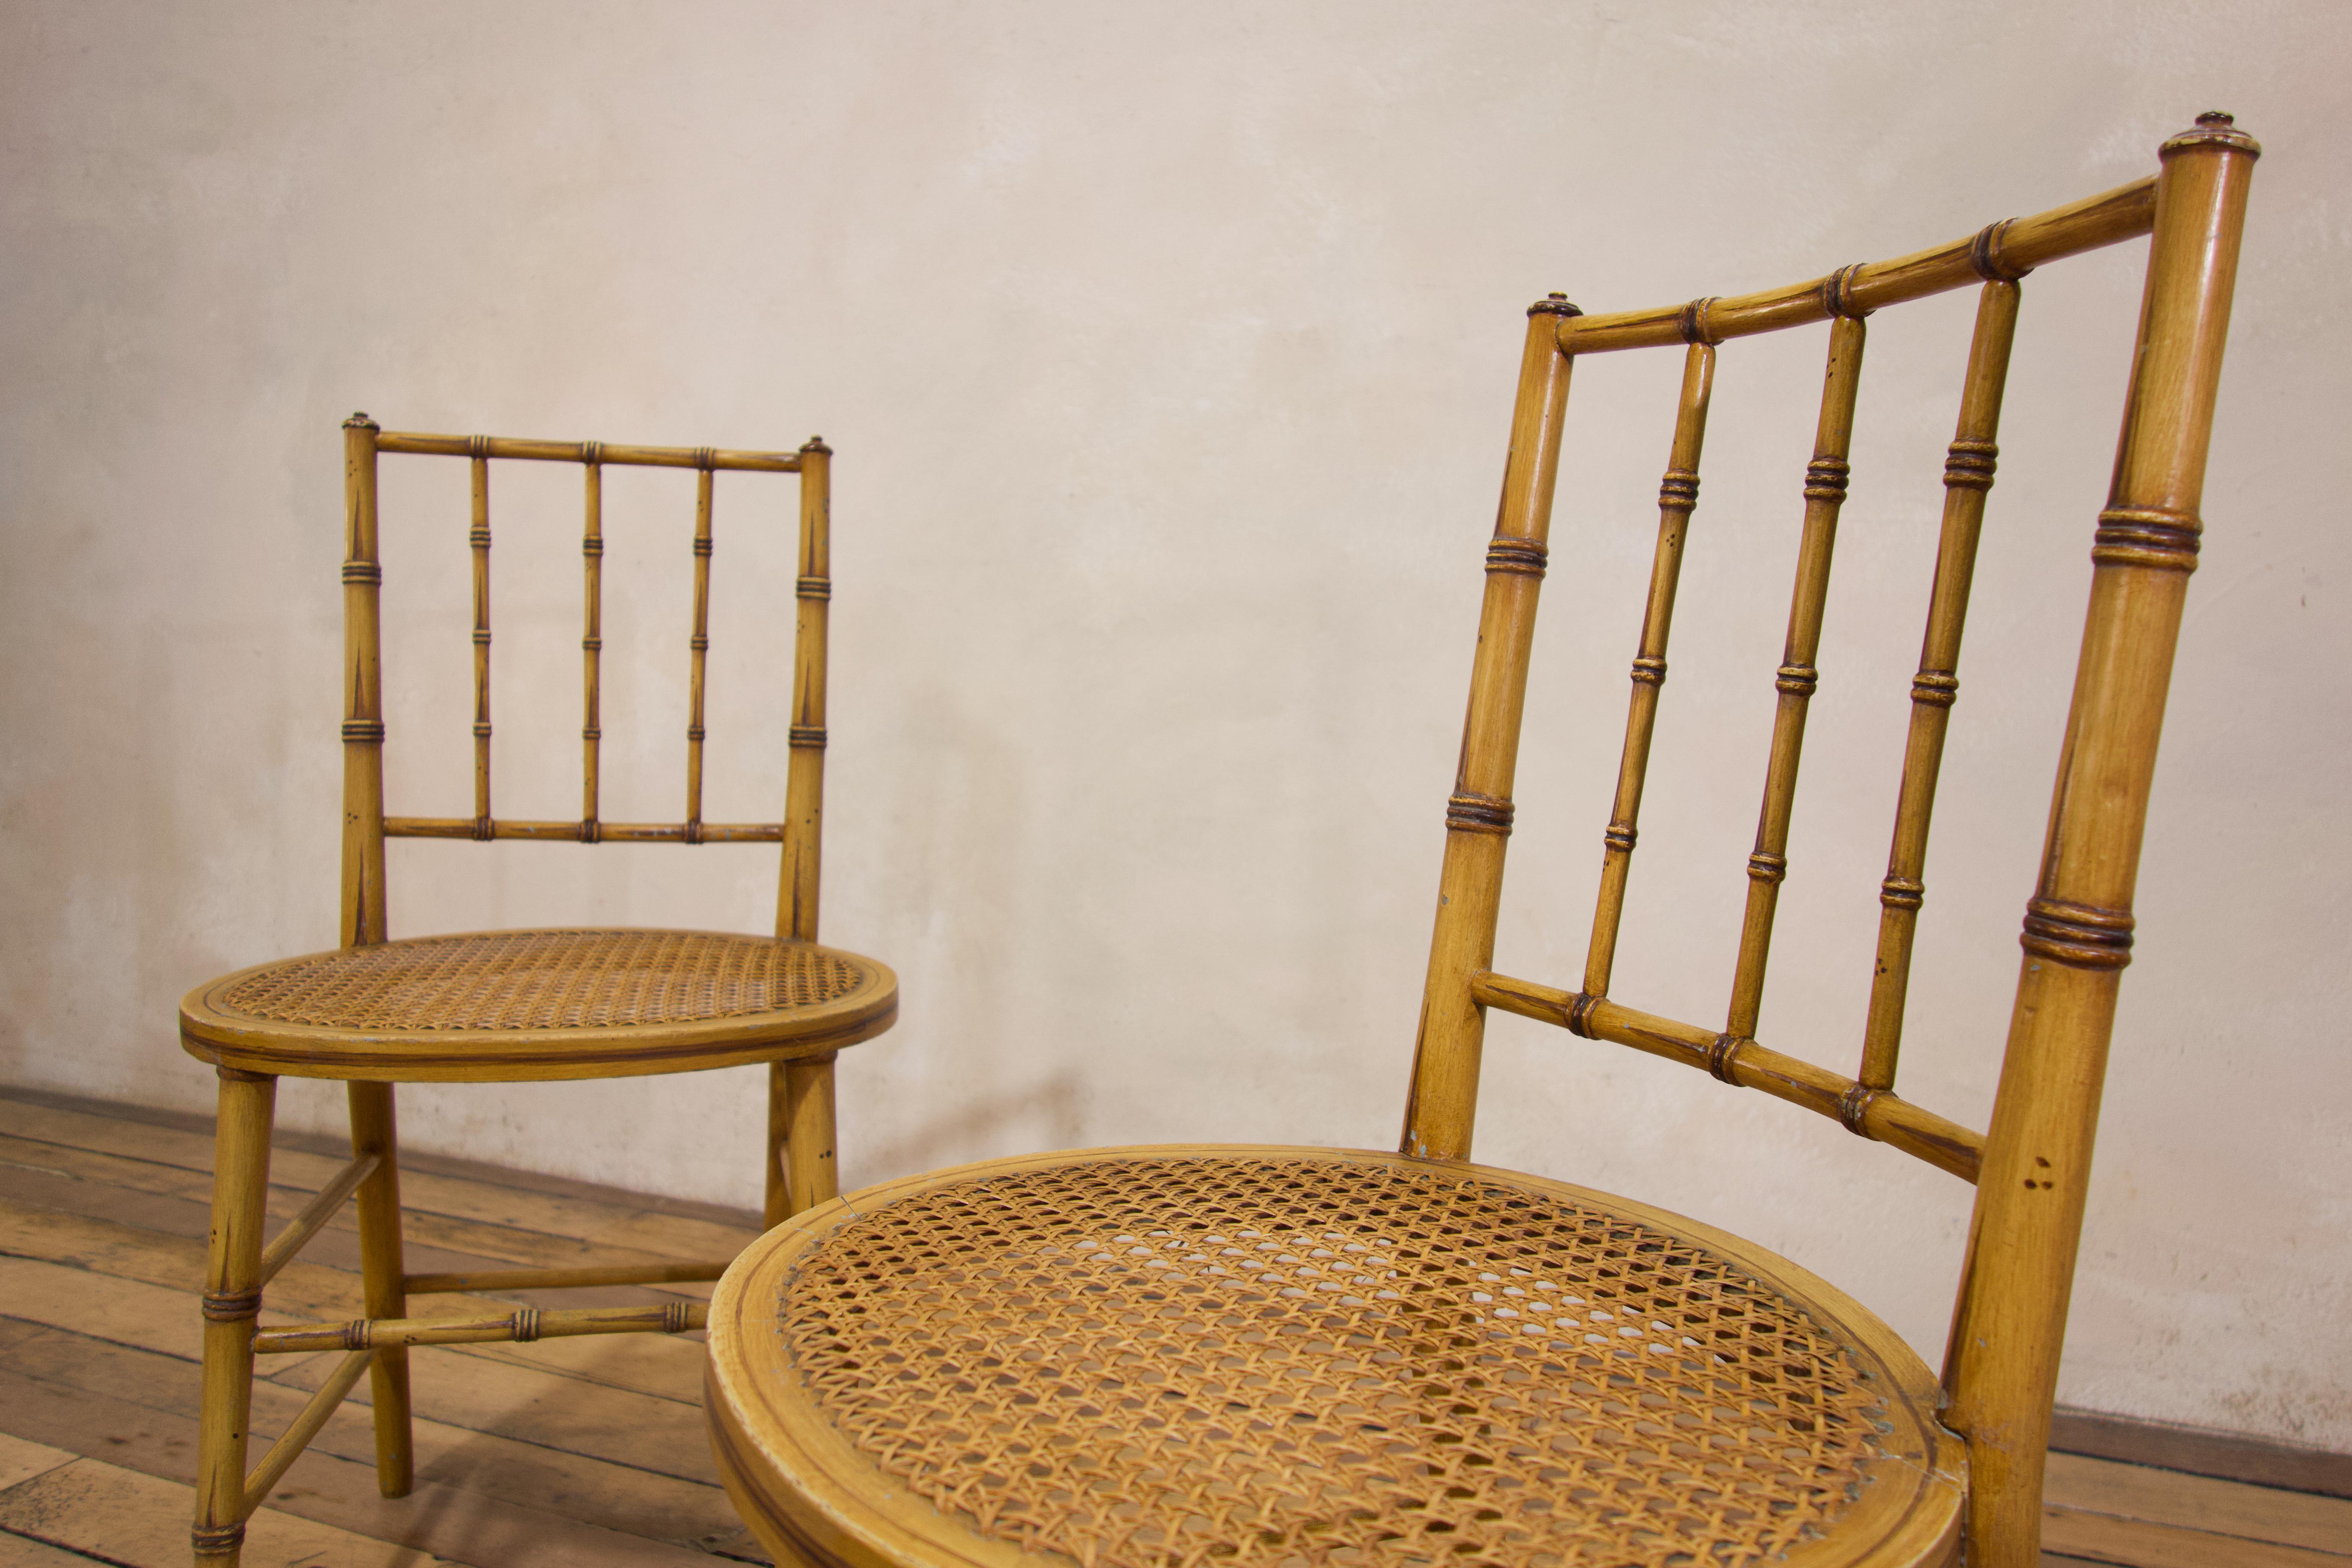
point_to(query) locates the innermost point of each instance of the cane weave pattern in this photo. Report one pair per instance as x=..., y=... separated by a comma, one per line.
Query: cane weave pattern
x=544, y=980
x=1160, y=1363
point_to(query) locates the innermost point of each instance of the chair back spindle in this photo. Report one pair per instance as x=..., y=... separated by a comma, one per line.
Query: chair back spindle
x=365, y=823
x=2032, y=1169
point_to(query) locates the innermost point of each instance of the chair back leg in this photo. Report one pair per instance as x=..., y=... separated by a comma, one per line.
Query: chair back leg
x=384, y=1275
x=232, y=1304
x=802, y=1169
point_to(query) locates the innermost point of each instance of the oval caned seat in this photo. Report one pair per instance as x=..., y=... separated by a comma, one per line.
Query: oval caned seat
x=1264, y=1357
x=502, y=1006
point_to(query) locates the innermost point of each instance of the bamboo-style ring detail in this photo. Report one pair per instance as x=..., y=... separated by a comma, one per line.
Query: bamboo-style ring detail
x=2081, y=936
x=1621, y=836
x=677, y=1317
x=362, y=731
x=1478, y=812
x=1984, y=254
x=1853, y=1105
x=362, y=572
x=701, y=544
x=1902, y=892
x=526, y=1325
x=1723, y=1055
x=1580, y=1016
x=2147, y=536
x=231, y=1306
x=1650, y=671
x=478, y=447
x=1837, y=293
x=1934, y=688
x=592, y=452
x=705, y=458
x=814, y=588
x=485, y=829
x=592, y=546
x=1524, y=557
x=1796, y=679
x=807, y=735
x=591, y=831
x=1826, y=479
x=216, y=1539
x=1696, y=322
x=1678, y=492
x=1969, y=464
x=1766, y=867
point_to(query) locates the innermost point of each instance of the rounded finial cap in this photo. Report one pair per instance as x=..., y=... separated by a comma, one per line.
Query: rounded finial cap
x=1553, y=305
x=360, y=421
x=2213, y=128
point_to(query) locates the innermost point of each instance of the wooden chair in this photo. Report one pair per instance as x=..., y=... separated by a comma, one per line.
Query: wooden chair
x=1254, y=1356
x=507, y=1006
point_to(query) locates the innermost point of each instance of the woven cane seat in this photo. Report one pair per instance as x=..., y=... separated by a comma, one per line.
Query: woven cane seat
x=541, y=1003
x=1273, y=1357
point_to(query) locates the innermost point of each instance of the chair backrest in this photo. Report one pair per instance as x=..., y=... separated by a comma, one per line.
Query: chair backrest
x=365, y=825
x=2032, y=1169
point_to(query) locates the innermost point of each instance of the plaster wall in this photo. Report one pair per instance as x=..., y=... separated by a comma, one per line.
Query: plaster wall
x=1168, y=353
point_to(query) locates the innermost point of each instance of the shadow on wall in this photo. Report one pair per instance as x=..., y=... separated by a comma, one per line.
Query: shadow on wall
x=1050, y=1110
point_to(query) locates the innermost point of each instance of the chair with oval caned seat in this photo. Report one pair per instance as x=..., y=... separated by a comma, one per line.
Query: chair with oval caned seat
x=1266, y=1357
x=508, y=1005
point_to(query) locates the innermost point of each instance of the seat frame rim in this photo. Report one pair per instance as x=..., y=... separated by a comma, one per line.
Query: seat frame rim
x=240, y=1041
x=813, y=1497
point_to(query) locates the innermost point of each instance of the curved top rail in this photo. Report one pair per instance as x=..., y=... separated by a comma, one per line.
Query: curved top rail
x=2008, y=250
x=603, y=452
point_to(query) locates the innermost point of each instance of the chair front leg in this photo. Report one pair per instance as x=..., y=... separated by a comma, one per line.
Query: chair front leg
x=384, y=1275
x=232, y=1304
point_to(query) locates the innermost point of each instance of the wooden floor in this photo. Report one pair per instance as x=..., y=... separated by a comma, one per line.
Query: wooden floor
x=580, y=1452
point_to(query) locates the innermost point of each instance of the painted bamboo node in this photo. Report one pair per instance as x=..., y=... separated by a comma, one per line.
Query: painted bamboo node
x=1553, y=305
x=592, y=831
x=2213, y=128
x=1524, y=557
x=808, y=735
x=1620, y=836
x=525, y=1325
x=2081, y=936
x=706, y=458
x=231, y=1306
x=367, y=572
x=1984, y=254
x=1649, y=671
x=1723, y=1058
x=677, y=1317
x=359, y=1334
x=1826, y=479
x=1580, y=1014
x=694, y=732
x=698, y=643
x=592, y=645
x=592, y=452
x=702, y=544
x=1796, y=679
x=478, y=447
x=1696, y=322
x=1459, y=1358
x=1853, y=1105
x=1934, y=688
x=592, y=547
x=591, y=733
x=2147, y=536
x=1968, y=465
x=1678, y=492
x=1766, y=867
x=583, y=979
x=485, y=829
x=481, y=731
x=1469, y=813
x=1837, y=292
x=814, y=588
x=1902, y=892
x=216, y=1540
x=362, y=731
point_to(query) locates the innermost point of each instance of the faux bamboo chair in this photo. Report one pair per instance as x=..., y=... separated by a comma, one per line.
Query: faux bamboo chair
x=1257, y=1356
x=508, y=1005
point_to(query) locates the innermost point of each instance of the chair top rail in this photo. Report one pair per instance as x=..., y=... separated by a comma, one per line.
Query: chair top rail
x=2007, y=250
x=585, y=452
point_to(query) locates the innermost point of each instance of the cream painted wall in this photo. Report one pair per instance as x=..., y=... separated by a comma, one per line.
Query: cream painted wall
x=1168, y=353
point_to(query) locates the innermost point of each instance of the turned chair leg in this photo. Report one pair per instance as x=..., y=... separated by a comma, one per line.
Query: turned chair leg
x=232, y=1305
x=802, y=1171
x=384, y=1274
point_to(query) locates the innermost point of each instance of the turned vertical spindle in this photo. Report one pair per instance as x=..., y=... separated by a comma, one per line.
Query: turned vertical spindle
x=363, y=918
x=1441, y=1111
x=479, y=539
x=1677, y=497
x=1968, y=475
x=2001, y=1368
x=1825, y=486
x=592, y=644
x=697, y=648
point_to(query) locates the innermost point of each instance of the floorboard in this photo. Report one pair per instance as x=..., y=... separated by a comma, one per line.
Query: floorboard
x=591, y=1451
